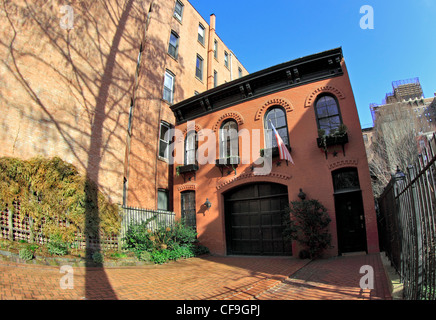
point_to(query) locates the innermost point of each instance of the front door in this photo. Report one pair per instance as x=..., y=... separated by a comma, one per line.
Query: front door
x=350, y=222
x=254, y=220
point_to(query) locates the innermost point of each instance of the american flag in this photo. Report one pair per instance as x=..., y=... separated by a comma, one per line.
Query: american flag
x=283, y=150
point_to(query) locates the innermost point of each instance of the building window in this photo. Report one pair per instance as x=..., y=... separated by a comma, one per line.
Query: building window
x=188, y=208
x=178, y=10
x=327, y=113
x=276, y=116
x=199, y=68
x=226, y=59
x=201, y=34
x=229, y=139
x=173, y=47
x=191, y=146
x=215, y=49
x=345, y=180
x=168, y=93
x=129, y=126
x=164, y=142
x=215, y=78
x=163, y=200
x=240, y=72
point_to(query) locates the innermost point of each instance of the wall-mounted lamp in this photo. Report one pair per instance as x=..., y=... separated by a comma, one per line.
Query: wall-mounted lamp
x=302, y=195
x=207, y=203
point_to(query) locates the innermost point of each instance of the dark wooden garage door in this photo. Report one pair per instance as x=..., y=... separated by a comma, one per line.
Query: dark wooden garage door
x=254, y=220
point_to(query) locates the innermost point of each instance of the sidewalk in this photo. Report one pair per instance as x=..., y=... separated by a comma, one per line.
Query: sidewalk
x=202, y=278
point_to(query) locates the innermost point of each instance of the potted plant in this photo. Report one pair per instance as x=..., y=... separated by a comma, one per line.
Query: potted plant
x=335, y=137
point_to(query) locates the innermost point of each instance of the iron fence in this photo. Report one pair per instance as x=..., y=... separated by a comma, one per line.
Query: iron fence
x=407, y=222
x=153, y=218
x=15, y=227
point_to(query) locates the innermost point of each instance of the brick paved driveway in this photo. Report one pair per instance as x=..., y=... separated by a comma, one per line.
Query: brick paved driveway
x=203, y=278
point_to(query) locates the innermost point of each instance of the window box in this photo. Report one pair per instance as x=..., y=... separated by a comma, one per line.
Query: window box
x=187, y=168
x=232, y=160
x=328, y=141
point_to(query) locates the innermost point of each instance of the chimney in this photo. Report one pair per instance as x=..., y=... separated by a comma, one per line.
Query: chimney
x=212, y=21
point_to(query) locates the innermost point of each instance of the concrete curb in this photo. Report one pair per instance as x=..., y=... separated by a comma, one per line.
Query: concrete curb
x=395, y=285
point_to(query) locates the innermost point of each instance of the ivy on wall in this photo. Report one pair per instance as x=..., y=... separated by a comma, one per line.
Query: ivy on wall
x=51, y=191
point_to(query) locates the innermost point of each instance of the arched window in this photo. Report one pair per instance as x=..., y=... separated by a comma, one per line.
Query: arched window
x=345, y=180
x=191, y=146
x=327, y=113
x=276, y=116
x=229, y=142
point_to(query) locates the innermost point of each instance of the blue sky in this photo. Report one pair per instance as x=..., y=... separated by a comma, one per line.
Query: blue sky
x=401, y=46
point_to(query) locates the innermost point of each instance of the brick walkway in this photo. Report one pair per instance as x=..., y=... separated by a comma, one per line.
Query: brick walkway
x=205, y=278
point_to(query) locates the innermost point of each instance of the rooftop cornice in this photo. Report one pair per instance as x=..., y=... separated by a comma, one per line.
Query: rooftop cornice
x=280, y=77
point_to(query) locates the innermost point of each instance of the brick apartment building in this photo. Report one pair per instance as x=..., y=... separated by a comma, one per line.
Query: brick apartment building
x=238, y=211
x=93, y=84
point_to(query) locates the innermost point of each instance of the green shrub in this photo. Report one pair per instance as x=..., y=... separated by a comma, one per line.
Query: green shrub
x=308, y=225
x=145, y=256
x=57, y=246
x=160, y=256
x=97, y=257
x=26, y=254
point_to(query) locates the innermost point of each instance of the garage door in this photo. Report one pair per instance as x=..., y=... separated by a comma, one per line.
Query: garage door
x=254, y=220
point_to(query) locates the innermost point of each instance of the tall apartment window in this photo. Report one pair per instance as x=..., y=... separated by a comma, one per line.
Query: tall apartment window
x=168, y=93
x=178, y=10
x=129, y=127
x=229, y=139
x=164, y=142
x=278, y=118
x=173, y=47
x=191, y=146
x=240, y=72
x=327, y=113
x=201, y=34
x=215, y=78
x=199, y=68
x=163, y=200
x=215, y=49
x=226, y=59
x=188, y=208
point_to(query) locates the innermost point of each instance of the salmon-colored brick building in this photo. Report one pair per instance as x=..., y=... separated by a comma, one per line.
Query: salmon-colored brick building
x=237, y=209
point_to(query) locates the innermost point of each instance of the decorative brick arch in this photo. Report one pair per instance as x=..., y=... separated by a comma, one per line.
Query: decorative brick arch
x=286, y=104
x=228, y=115
x=186, y=187
x=273, y=177
x=343, y=164
x=324, y=89
x=197, y=129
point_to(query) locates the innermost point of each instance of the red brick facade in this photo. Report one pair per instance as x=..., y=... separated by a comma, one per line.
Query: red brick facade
x=312, y=171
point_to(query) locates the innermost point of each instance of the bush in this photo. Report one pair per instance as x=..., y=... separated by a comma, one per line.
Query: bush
x=57, y=246
x=26, y=254
x=163, y=244
x=97, y=257
x=308, y=225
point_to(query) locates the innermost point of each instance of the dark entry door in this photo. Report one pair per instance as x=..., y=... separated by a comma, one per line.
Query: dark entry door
x=254, y=220
x=350, y=222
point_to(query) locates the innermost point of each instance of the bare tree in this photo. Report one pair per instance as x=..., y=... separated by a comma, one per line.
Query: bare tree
x=394, y=143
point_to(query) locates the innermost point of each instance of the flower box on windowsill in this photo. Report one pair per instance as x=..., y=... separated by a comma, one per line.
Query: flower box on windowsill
x=232, y=160
x=187, y=168
x=332, y=141
x=273, y=151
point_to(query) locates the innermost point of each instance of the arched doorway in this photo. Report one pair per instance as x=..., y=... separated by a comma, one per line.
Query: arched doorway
x=254, y=216
x=350, y=216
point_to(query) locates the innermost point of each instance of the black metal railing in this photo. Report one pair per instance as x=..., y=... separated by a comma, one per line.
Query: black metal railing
x=407, y=224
